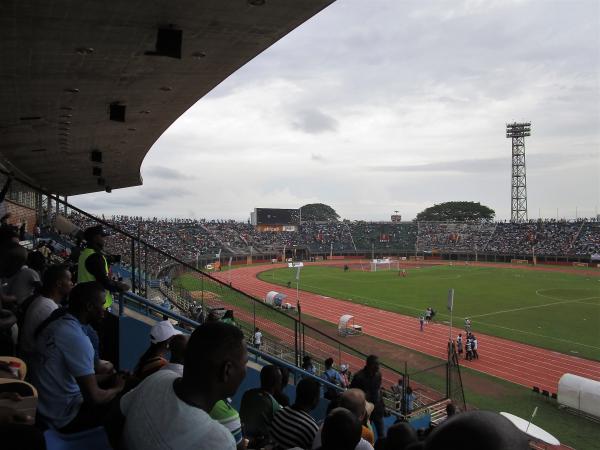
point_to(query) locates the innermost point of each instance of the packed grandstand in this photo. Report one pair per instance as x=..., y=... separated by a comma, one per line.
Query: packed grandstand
x=187, y=238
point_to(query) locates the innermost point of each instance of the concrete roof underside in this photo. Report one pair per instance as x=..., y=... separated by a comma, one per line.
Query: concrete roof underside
x=64, y=62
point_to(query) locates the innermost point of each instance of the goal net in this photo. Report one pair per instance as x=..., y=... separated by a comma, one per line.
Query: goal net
x=384, y=264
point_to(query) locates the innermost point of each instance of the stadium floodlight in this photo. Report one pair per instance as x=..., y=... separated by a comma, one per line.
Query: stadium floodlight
x=518, y=206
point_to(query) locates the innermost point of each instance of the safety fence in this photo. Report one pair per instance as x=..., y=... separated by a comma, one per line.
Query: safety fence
x=176, y=284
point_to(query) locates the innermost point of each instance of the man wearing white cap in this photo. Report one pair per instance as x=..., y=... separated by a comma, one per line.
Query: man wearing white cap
x=154, y=358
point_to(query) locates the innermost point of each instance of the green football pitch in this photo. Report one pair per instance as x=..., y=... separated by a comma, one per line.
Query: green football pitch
x=554, y=310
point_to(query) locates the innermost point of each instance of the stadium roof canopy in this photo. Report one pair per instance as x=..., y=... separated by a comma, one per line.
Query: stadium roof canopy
x=113, y=75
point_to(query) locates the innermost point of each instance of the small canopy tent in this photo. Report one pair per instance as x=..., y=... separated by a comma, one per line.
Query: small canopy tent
x=347, y=327
x=579, y=393
x=274, y=298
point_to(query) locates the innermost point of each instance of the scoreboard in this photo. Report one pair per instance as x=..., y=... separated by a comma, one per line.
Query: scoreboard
x=275, y=216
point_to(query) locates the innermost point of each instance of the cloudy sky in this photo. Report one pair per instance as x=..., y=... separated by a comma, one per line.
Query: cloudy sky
x=387, y=105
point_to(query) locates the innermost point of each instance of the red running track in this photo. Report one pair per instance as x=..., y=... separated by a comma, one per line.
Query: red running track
x=512, y=361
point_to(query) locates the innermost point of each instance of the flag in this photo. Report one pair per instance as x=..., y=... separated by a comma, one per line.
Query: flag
x=298, y=273
x=450, y=300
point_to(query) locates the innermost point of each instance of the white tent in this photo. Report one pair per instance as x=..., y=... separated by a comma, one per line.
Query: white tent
x=579, y=393
x=347, y=327
x=274, y=298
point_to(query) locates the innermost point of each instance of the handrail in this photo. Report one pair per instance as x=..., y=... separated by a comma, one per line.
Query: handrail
x=262, y=355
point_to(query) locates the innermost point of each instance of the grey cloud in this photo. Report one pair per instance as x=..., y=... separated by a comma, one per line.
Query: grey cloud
x=165, y=173
x=317, y=158
x=462, y=166
x=313, y=121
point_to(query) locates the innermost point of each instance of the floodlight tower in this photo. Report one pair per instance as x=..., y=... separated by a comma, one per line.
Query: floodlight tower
x=518, y=205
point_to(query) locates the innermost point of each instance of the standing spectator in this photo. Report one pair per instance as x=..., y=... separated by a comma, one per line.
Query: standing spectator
x=469, y=349
x=475, y=346
x=467, y=325
x=62, y=370
x=345, y=374
x=307, y=364
x=368, y=380
x=93, y=265
x=293, y=426
x=408, y=401
x=459, y=344
x=334, y=377
x=56, y=286
x=178, y=347
x=154, y=358
x=171, y=412
x=257, y=339
x=258, y=407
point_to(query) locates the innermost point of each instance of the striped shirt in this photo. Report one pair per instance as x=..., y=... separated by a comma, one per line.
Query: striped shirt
x=227, y=416
x=293, y=428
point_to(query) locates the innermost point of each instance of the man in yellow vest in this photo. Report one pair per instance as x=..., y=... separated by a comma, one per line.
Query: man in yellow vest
x=93, y=266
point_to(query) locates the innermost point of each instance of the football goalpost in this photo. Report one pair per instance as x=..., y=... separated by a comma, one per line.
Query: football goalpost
x=384, y=264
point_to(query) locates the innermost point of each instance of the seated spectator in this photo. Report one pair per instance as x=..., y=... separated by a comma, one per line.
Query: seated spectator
x=228, y=317
x=354, y=401
x=71, y=398
x=154, y=358
x=170, y=412
x=258, y=407
x=450, y=410
x=477, y=430
x=224, y=413
x=21, y=280
x=334, y=377
x=16, y=431
x=341, y=430
x=279, y=394
x=177, y=346
x=293, y=426
x=400, y=436
x=56, y=286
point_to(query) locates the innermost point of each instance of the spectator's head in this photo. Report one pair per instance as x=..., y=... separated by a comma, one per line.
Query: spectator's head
x=178, y=346
x=94, y=237
x=270, y=378
x=328, y=363
x=400, y=436
x=215, y=360
x=308, y=392
x=344, y=368
x=354, y=401
x=36, y=261
x=162, y=333
x=372, y=366
x=476, y=430
x=341, y=430
x=56, y=282
x=8, y=234
x=285, y=377
x=86, y=302
x=14, y=256
x=450, y=409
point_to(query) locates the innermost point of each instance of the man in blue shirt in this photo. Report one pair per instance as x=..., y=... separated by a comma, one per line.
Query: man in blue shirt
x=70, y=396
x=333, y=376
